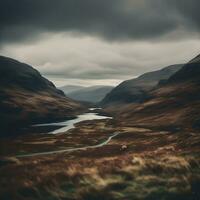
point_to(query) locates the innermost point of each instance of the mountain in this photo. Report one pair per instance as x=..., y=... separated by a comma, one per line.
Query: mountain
x=26, y=97
x=136, y=90
x=188, y=72
x=173, y=105
x=92, y=94
x=70, y=88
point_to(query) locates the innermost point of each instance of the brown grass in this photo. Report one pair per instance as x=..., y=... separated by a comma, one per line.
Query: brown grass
x=156, y=165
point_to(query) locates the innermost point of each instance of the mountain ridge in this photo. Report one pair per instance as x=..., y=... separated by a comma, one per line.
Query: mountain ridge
x=173, y=105
x=26, y=97
x=136, y=90
x=190, y=71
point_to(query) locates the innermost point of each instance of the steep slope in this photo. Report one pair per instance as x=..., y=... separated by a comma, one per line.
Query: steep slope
x=173, y=105
x=27, y=97
x=136, y=90
x=70, y=88
x=191, y=71
x=91, y=94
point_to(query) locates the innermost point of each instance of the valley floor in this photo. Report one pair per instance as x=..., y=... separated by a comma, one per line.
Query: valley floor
x=137, y=163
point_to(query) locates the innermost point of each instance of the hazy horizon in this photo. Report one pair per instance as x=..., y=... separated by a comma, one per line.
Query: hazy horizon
x=61, y=81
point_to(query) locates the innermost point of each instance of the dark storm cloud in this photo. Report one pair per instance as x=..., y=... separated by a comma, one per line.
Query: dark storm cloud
x=111, y=19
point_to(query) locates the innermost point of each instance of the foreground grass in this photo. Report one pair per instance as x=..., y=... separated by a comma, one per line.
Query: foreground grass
x=155, y=165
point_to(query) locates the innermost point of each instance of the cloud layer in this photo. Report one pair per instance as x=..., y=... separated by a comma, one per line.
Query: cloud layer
x=91, y=58
x=99, y=39
x=111, y=19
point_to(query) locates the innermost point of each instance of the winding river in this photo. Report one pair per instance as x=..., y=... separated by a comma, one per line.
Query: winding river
x=70, y=124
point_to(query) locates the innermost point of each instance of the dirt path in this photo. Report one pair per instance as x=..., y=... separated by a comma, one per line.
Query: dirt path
x=70, y=149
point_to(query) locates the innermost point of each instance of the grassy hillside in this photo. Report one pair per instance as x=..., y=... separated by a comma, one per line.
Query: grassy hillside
x=26, y=97
x=136, y=90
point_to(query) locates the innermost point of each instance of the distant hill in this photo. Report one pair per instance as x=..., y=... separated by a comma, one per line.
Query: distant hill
x=26, y=97
x=92, y=94
x=70, y=88
x=136, y=90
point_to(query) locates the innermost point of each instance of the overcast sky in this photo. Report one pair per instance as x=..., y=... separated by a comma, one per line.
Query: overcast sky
x=89, y=42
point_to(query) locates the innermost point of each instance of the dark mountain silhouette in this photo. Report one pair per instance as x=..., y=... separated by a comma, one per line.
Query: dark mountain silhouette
x=26, y=97
x=191, y=71
x=136, y=90
x=15, y=73
x=92, y=94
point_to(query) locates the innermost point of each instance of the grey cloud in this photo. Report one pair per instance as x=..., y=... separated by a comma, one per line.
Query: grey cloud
x=111, y=19
x=62, y=55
